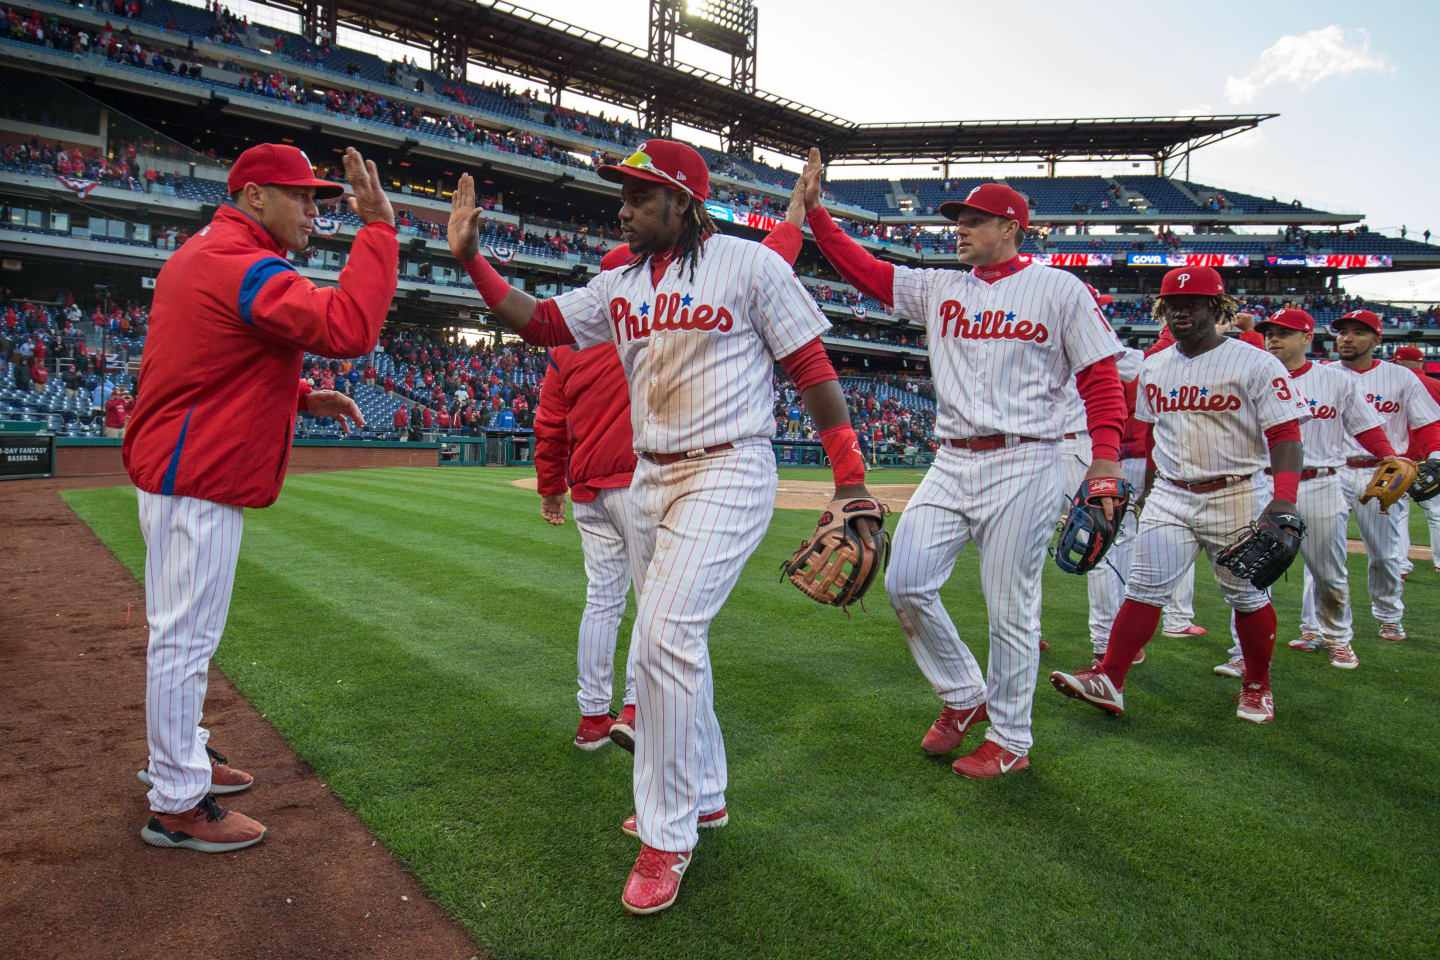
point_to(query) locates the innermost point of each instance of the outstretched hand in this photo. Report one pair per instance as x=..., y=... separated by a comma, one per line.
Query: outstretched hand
x=812, y=176
x=337, y=406
x=369, y=202
x=464, y=230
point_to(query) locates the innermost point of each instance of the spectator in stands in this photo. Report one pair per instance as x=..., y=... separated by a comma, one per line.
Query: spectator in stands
x=505, y=420
x=117, y=412
x=414, y=432
x=402, y=420
x=72, y=380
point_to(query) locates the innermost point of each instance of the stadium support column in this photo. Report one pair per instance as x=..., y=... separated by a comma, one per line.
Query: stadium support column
x=318, y=20
x=449, y=54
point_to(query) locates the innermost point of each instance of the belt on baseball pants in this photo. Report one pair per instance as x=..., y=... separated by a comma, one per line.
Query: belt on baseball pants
x=993, y=441
x=1205, y=486
x=1071, y=436
x=1310, y=474
x=665, y=459
x=1363, y=462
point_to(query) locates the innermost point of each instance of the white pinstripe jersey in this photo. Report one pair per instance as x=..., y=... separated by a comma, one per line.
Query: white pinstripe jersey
x=1338, y=411
x=1211, y=412
x=1003, y=353
x=1398, y=396
x=1073, y=419
x=699, y=355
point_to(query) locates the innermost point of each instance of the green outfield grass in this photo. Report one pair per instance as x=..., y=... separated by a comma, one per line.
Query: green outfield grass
x=411, y=633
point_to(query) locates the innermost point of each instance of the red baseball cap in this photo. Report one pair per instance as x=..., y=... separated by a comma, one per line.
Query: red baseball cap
x=994, y=198
x=676, y=165
x=1289, y=318
x=282, y=165
x=1366, y=317
x=1104, y=299
x=1198, y=281
x=1408, y=353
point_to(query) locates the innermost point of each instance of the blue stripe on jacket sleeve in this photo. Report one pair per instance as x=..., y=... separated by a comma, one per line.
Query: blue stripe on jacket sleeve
x=167, y=486
x=254, y=281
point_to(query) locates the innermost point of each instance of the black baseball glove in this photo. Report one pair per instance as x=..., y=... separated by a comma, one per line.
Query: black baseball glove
x=1085, y=534
x=1427, y=480
x=1265, y=550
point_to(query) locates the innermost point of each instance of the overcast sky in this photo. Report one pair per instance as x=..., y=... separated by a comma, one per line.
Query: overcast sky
x=1356, y=85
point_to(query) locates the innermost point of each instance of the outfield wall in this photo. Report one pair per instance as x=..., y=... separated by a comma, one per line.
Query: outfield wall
x=100, y=456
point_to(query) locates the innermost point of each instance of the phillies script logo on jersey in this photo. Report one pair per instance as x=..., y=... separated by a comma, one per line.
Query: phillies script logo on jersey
x=1319, y=411
x=1381, y=404
x=671, y=312
x=988, y=325
x=1188, y=398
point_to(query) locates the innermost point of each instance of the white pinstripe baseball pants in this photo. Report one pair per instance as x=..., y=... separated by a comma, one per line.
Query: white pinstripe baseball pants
x=1004, y=500
x=608, y=540
x=696, y=523
x=1432, y=515
x=1106, y=583
x=1322, y=506
x=1381, y=533
x=191, y=547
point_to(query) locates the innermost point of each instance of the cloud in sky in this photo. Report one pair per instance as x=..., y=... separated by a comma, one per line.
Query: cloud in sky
x=1303, y=61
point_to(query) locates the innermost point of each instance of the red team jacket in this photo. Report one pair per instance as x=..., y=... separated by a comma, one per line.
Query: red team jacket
x=586, y=445
x=229, y=327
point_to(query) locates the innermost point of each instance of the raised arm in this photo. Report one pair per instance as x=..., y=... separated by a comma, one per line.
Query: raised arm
x=868, y=274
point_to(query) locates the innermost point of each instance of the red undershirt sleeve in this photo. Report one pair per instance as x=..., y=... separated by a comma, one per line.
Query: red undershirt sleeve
x=1375, y=441
x=786, y=240
x=1425, y=440
x=809, y=365
x=547, y=327
x=1105, y=410
x=1283, y=433
x=870, y=275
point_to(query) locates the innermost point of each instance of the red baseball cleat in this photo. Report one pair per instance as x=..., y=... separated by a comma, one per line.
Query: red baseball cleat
x=1392, y=632
x=1234, y=667
x=223, y=777
x=947, y=732
x=989, y=760
x=622, y=731
x=1257, y=704
x=1191, y=631
x=1139, y=657
x=1092, y=686
x=655, y=880
x=1342, y=655
x=208, y=828
x=1044, y=646
x=1307, y=642
x=706, y=821
x=593, y=732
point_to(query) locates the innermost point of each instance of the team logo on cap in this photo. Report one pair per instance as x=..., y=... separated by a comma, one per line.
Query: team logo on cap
x=307, y=158
x=973, y=191
x=1184, y=278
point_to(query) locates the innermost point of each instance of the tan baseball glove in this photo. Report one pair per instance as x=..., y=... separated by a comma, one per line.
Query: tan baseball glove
x=1392, y=478
x=839, y=561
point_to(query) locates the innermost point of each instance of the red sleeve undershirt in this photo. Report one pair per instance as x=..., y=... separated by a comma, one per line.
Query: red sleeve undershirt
x=870, y=275
x=1105, y=410
x=1375, y=441
x=1283, y=433
x=809, y=365
x=786, y=240
x=546, y=327
x=1424, y=440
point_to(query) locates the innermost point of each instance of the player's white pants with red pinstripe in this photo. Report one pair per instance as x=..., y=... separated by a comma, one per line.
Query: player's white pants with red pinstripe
x=1432, y=515
x=1322, y=505
x=696, y=523
x=1106, y=583
x=1005, y=501
x=190, y=551
x=1381, y=534
x=1177, y=524
x=608, y=540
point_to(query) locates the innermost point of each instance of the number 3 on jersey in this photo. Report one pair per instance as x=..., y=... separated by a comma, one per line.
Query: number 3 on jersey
x=1282, y=388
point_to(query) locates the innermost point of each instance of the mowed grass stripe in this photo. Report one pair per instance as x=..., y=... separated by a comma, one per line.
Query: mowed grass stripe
x=447, y=609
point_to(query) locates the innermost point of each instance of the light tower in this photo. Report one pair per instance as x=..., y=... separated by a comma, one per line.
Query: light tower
x=725, y=25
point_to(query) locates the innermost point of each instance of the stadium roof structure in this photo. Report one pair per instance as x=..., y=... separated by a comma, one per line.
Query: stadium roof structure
x=563, y=56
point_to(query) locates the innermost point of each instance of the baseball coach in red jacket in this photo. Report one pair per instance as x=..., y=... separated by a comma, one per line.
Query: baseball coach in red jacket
x=214, y=415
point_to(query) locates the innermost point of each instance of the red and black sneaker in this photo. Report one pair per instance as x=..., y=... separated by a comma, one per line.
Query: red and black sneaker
x=208, y=828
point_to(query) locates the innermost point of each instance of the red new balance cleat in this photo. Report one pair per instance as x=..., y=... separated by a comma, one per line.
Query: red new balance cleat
x=593, y=732
x=706, y=821
x=989, y=760
x=622, y=731
x=1092, y=686
x=223, y=777
x=1139, y=657
x=1257, y=704
x=655, y=880
x=1191, y=631
x=1342, y=655
x=947, y=732
x=208, y=828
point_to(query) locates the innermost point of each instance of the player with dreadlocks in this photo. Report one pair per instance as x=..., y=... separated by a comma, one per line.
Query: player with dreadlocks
x=1221, y=411
x=699, y=319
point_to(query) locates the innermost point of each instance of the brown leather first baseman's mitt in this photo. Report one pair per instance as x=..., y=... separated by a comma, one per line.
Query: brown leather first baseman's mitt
x=1392, y=478
x=839, y=561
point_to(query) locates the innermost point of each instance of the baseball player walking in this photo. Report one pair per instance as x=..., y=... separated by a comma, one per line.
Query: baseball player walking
x=1414, y=360
x=1412, y=423
x=1337, y=411
x=219, y=389
x=1006, y=339
x=1216, y=405
x=699, y=319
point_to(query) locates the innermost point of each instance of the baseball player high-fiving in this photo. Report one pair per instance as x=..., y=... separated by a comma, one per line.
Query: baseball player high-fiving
x=1216, y=404
x=1007, y=339
x=699, y=319
x=1412, y=423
